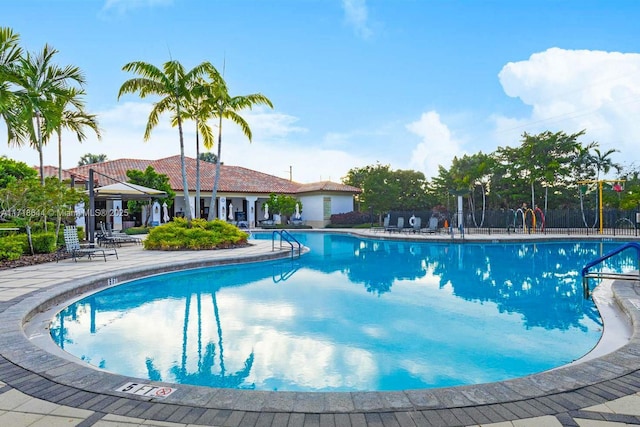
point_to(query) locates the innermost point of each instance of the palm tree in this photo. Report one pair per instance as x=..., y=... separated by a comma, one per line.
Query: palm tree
x=39, y=82
x=75, y=120
x=89, y=159
x=603, y=163
x=10, y=54
x=198, y=111
x=223, y=106
x=174, y=86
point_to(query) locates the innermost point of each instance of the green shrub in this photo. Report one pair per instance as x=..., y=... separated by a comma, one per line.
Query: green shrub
x=199, y=234
x=10, y=248
x=44, y=243
x=136, y=230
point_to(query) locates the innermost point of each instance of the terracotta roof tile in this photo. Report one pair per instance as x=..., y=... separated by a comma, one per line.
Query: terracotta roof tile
x=233, y=179
x=66, y=174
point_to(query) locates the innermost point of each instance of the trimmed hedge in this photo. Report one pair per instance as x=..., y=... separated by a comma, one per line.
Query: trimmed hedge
x=10, y=248
x=199, y=234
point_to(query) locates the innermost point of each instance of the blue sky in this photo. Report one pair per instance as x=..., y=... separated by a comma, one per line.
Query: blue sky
x=409, y=83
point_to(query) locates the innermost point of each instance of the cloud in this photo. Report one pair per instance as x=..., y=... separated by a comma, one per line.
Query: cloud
x=572, y=90
x=437, y=147
x=277, y=148
x=120, y=7
x=356, y=15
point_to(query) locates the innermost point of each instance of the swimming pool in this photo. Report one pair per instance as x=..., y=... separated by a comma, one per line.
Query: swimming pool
x=353, y=314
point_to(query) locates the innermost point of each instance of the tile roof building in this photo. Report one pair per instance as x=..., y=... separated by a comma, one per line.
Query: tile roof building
x=244, y=189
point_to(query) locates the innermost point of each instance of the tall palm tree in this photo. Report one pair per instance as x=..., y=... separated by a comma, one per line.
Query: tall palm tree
x=223, y=106
x=198, y=111
x=39, y=82
x=174, y=85
x=10, y=54
x=75, y=119
x=603, y=162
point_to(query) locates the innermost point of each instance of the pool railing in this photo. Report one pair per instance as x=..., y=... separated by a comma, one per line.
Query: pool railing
x=285, y=236
x=586, y=275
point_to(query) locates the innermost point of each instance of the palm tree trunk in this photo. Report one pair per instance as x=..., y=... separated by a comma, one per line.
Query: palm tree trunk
x=216, y=180
x=59, y=155
x=197, y=171
x=185, y=184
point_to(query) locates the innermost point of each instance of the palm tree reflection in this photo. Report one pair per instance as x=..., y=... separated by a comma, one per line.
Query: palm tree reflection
x=205, y=374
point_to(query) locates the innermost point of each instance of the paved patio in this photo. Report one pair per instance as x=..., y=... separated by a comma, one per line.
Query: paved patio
x=42, y=386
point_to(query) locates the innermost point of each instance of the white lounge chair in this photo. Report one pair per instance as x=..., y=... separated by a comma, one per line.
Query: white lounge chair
x=78, y=250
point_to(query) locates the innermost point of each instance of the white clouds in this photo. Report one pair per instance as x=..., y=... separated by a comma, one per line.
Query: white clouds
x=276, y=144
x=571, y=90
x=356, y=15
x=438, y=145
x=122, y=6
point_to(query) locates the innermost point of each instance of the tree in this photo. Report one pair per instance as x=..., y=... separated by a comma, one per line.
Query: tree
x=75, y=119
x=208, y=157
x=10, y=54
x=89, y=159
x=283, y=204
x=27, y=202
x=378, y=187
x=151, y=179
x=174, y=85
x=38, y=82
x=223, y=106
x=198, y=111
x=12, y=171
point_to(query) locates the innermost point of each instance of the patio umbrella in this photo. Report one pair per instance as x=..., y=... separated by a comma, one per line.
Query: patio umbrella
x=231, y=211
x=297, y=211
x=266, y=211
x=165, y=212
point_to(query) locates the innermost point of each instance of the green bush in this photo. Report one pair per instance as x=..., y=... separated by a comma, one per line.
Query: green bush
x=10, y=248
x=136, y=230
x=197, y=235
x=44, y=243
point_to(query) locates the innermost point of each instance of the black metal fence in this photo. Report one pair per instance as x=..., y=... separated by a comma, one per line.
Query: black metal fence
x=556, y=221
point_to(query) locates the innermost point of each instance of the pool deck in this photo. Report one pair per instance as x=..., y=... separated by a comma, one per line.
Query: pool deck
x=42, y=386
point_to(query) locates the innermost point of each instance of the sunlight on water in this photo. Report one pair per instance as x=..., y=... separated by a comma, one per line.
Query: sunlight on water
x=351, y=315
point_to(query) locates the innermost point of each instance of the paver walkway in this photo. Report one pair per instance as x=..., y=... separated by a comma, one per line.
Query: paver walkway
x=41, y=387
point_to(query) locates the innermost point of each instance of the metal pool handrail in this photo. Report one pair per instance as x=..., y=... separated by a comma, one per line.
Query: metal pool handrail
x=287, y=237
x=599, y=275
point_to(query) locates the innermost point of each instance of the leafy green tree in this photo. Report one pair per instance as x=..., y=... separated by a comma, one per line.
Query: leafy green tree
x=89, y=159
x=208, y=157
x=224, y=106
x=151, y=179
x=174, y=85
x=38, y=82
x=283, y=204
x=27, y=202
x=12, y=171
x=411, y=189
x=379, y=191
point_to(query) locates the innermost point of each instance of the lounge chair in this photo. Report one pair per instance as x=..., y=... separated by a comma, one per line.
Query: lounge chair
x=433, y=226
x=110, y=238
x=385, y=225
x=78, y=250
x=397, y=228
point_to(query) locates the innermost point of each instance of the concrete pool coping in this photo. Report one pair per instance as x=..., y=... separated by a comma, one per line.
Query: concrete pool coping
x=29, y=363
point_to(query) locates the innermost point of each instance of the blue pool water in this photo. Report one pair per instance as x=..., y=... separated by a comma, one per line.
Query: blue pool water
x=352, y=314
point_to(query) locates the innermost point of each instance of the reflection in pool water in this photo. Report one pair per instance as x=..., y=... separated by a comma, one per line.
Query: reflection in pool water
x=353, y=314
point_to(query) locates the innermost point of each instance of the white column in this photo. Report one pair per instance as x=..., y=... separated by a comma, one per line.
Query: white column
x=222, y=208
x=251, y=210
x=117, y=215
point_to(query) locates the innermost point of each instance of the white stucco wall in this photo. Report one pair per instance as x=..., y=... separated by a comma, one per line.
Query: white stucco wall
x=313, y=212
